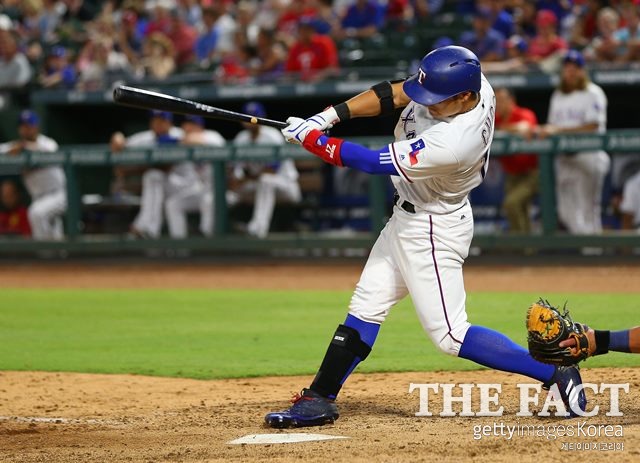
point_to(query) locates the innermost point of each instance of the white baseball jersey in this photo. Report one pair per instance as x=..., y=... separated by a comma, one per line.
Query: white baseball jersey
x=578, y=108
x=269, y=136
x=441, y=161
x=148, y=139
x=42, y=180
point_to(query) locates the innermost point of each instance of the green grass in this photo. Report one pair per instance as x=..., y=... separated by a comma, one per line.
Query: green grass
x=218, y=334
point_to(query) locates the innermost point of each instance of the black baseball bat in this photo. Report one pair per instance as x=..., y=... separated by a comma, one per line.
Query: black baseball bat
x=139, y=98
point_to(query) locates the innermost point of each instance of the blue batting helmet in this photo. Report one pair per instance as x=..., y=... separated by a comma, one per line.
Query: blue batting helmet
x=443, y=73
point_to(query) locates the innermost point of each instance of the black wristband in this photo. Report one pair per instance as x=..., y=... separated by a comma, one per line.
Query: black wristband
x=384, y=92
x=602, y=342
x=342, y=110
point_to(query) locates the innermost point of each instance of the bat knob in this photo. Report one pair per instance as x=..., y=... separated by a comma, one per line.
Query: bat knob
x=254, y=120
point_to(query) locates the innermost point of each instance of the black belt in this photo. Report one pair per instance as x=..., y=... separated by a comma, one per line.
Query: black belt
x=406, y=205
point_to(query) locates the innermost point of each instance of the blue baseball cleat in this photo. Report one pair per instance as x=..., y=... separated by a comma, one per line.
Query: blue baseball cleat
x=567, y=378
x=308, y=409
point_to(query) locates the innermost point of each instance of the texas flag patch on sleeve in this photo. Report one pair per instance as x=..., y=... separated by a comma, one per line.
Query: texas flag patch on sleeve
x=416, y=147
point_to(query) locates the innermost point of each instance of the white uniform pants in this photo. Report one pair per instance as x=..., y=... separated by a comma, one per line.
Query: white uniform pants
x=45, y=216
x=579, y=183
x=422, y=255
x=267, y=187
x=171, y=193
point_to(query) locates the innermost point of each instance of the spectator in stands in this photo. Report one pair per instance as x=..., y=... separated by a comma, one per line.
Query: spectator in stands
x=191, y=12
x=57, y=71
x=97, y=61
x=547, y=43
x=582, y=22
x=247, y=29
x=501, y=20
x=77, y=14
x=605, y=46
x=130, y=36
x=226, y=27
x=183, y=37
x=487, y=43
x=157, y=60
x=630, y=203
x=158, y=182
x=270, y=181
x=578, y=106
x=525, y=20
x=398, y=15
x=15, y=71
x=207, y=41
x=270, y=57
x=521, y=170
x=46, y=185
x=289, y=20
x=197, y=196
x=629, y=36
x=312, y=56
x=363, y=19
x=13, y=213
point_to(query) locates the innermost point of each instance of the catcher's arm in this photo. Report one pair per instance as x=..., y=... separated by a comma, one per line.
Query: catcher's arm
x=595, y=344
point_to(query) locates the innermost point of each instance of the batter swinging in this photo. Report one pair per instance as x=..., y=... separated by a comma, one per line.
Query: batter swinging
x=440, y=154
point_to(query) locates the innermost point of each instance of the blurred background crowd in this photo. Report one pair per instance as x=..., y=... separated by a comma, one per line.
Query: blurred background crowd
x=90, y=45
x=86, y=44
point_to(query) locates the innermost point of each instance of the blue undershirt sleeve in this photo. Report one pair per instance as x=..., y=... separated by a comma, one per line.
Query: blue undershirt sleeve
x=369, y=161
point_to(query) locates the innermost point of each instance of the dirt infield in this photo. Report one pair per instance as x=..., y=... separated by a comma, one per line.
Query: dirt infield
x=58, y=417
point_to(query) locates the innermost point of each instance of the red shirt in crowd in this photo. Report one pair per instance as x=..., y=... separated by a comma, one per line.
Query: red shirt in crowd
x=540, y=48
x=15, y=222
x=518, y=164
x=321, y=53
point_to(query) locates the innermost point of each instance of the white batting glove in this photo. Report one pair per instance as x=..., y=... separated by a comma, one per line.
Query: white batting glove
x=297, y=130
x=325, y=120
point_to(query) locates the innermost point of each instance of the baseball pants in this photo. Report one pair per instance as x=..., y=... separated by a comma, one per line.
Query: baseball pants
x=579, y=183
x=420, y=254
x=45, y=216
x=267, y=187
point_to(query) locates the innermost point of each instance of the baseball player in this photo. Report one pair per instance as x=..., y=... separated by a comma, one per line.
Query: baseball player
x=441, y=152
x=601, y=342
x=192, y=196
x=276, y=179
x=46, y=185
x=157, y=183
x=630, y=204
x=578, y=106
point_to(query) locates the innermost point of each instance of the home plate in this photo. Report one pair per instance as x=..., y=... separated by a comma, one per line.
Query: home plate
x=283, y=438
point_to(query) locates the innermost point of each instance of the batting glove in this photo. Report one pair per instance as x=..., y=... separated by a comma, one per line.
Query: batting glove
x=297, y=130
x=324, y=120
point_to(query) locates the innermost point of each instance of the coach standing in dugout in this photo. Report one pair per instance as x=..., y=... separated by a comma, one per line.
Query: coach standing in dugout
x=521, y=170
x=46, y=185
x=578, y=106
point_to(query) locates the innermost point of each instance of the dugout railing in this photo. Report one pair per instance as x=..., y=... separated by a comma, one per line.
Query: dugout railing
x=73, y=157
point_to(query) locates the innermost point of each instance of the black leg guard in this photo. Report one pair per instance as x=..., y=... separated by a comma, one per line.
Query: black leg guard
x=345, y=347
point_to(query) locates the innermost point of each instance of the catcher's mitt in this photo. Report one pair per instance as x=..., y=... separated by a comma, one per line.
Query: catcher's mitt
x=547, y=328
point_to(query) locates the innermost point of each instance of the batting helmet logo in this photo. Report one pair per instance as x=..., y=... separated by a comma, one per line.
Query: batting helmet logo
x=421, y=76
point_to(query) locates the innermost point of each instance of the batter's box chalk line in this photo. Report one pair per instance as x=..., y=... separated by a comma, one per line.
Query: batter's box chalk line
x=283, y=438
x=56, y=420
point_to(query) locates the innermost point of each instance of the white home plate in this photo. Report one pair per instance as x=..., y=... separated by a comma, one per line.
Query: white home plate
x=283, y=438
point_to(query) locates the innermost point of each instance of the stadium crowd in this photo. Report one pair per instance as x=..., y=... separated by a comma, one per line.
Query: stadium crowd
x=88, y=44
x=85, y=44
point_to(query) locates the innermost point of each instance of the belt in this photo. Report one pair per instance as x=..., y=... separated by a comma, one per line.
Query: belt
x=406, y=205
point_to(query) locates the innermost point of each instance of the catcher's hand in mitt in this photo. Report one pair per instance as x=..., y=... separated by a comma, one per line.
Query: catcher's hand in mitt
x=547, y=328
